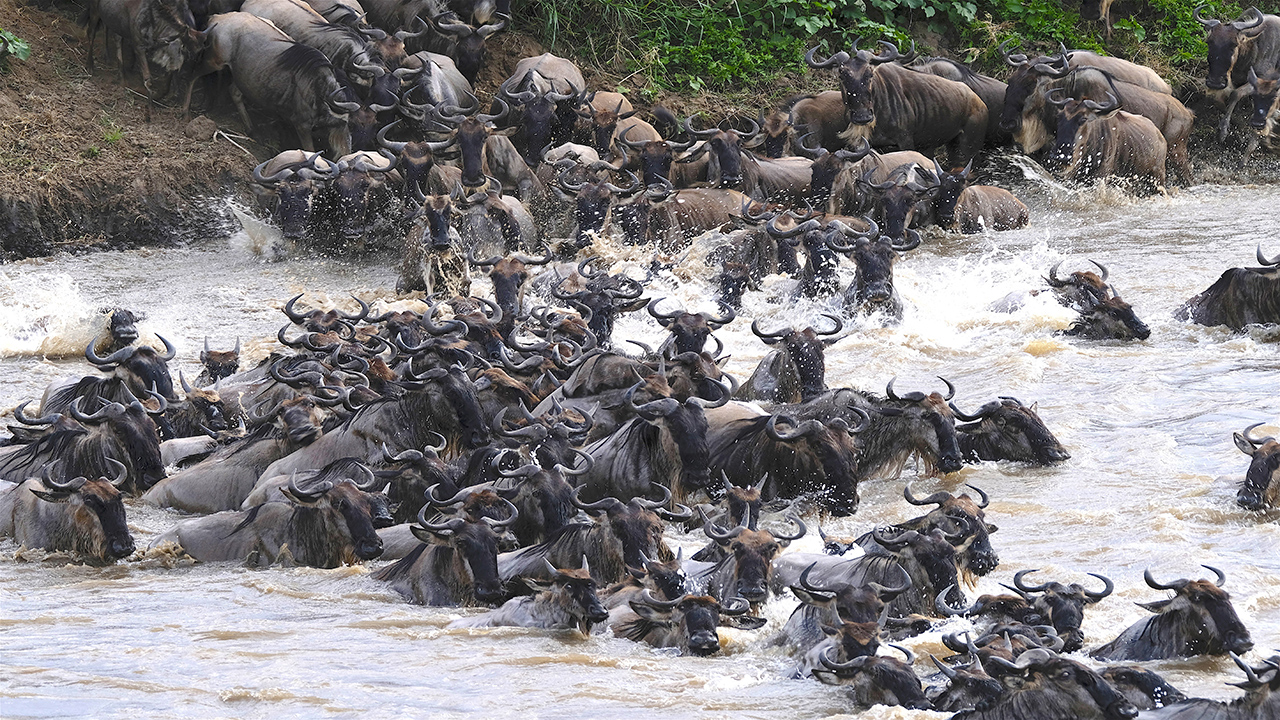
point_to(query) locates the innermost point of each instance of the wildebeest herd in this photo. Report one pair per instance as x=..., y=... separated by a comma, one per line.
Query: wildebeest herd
x=508, y=453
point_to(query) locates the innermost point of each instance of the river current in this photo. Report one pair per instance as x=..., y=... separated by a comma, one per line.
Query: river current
x=1151, y=482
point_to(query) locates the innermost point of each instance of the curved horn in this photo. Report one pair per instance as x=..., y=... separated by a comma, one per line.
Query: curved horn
x=1221, y=576
x=810, y=59
x=1107, y=588
x=983, y=411
x=116, y=357
x=1018, y=582
x=985, y=501
x=801, y=529
x=1151, y=582
x=1208, y=24
x=937, y=498
x=1249, y=24
x=49, y=419
x=1262, y=259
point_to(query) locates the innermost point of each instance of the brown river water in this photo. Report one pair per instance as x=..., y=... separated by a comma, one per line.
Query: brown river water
x=1151, y=483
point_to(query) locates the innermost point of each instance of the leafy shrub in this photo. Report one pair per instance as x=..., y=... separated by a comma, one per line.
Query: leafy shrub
x=12, y=45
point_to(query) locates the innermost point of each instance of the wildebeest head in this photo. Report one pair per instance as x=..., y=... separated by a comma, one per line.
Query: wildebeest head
x=1262, y=481
x=413, y=475
x=297, y=180
x=1061, y=688
x=726, y=152
x=508, y=276
x=1143, y=689
x=100, y=533
x=207, y=405
x=686, y=424
x=169, y=29
x=877, y=679
x=743, y=505
x=777, y=129
x=359, y=175
x=604, y=123
x=805, y=348
x=459, y=394
x=1005, y=429
x=963, y=518
x=855, y=72
x=574, y=591
x=335, y=520
x=928, y=557
x=469, y=135
x=753, y=552
x=475, y=545
x=968, y=687
x=950, y=186
x=1264, y=97
x=860, y=604
x=592, y=201
x=540, y=120
x=940, y=448
x=1024, y=82
x=122, y=329
x=693, y=618
x=325, y=321
x=1062, y=606
x=469, y=52
x=875, y=258
x=898, y=197
x=1206, y=617
x=827, y=166
x=655, y=156
x=220, y=363
x=128, y=431
x=1224, y=44
x=689, y=330
x=140, y=367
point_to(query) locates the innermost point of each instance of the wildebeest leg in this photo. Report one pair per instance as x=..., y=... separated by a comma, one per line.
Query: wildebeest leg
x=1224, y=126
x=1248, y=151
x=145, y=68
x=238, y=99
x=91, y=31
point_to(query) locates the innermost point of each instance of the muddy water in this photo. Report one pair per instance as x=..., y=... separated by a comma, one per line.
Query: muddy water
x=1151, y=483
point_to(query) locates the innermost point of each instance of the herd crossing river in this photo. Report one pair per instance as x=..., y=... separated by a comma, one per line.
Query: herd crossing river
x=1151, y=482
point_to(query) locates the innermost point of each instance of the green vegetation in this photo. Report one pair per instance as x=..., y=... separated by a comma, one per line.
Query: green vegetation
x=12, y=46
x=695, y=45
x=111, y=132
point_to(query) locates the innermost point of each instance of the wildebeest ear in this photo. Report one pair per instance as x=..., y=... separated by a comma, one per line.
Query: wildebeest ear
x=743, y=622
x=829, y=631
x=53, y=497
x=1155, y=607
x=650, y=613
x=422, y=534
x=508, y=132
x=1245, y=446
x=992, y=528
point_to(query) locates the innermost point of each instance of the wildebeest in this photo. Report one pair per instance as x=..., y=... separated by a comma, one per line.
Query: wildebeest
x=568, y=601
x=806, y=458
x=161, y=32
x=294, y=182
x=140, y=367
x=224, y=479
x=1261, y=699
x=466, y=43
x=1250, y=44
x=688, y=622
x=1242, y=296
x=797, y=370
x=962, y=518
x=1266, y=111
x=124, y=433
x=834, y=604
x=1261, y=486
x=455, y=564
x=1197, y=620
x=968, y=686
x=1062, y=605
x=1143, y=688
x=289, y=79
x=872, y=289
x=1053, y=687
x=891, y=105
x=670, y=218
x=323, y=525
x=913, y=423
x=731, y=165
x=1005, y=429
x=619, y=536
x=217, y=364
x=974, y=208
x=1096, y=140
x=877, y=679
x=82, y=516
x=120, y=332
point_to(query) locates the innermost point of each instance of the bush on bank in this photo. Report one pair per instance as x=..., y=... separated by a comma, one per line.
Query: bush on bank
x=696, y=45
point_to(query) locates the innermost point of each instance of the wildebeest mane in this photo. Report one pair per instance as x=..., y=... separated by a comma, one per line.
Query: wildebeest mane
x=262, y=432
x=56, y=444
x=299, y=58
x=399, y=570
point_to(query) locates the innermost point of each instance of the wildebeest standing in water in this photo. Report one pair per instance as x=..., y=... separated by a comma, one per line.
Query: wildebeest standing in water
x=1096, y=140
x=1242, y=296
x=324, y=525
x=1197, y=620
x=1005, y=429
x=81, y=516
x=1048, y=686
x=877, y=679
x=1261, y=487
x=568, y=601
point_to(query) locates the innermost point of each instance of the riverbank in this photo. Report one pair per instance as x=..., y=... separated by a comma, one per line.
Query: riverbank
x=81, y=170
